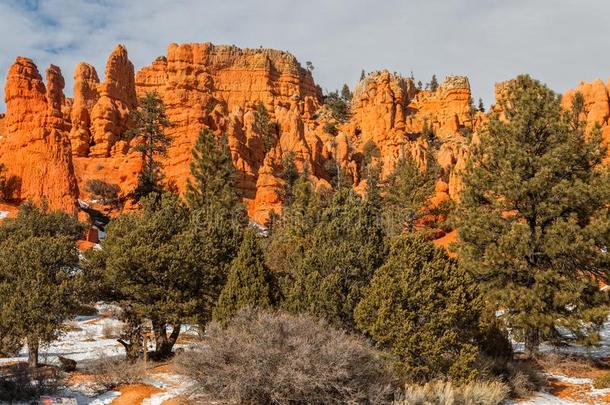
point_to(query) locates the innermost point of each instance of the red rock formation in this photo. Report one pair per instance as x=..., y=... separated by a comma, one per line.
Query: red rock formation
x=86, y=96
x=35, y=147
x=596, y=106
x=218, y=87
x=389, y=111
x=117, y=96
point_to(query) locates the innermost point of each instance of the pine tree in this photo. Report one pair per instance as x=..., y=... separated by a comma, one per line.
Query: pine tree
x=290, y=175
x=433, y=85
x=422, y=308
x=408, y=190
x=338, y=107
x=212, y=183
x=39, y=284
x=533, y=220
x=218, y=216
x=346, y=94
x=145, y=265
x=325, y=252
x=264, y=127
x=149, y=122
x=362, y=75
x=481, y=107
x=249, y=282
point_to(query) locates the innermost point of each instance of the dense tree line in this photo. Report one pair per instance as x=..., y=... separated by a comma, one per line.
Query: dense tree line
x=533, y=226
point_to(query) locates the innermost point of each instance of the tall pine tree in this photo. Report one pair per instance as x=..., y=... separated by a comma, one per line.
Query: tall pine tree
x=212, y=182
x=149, y=121
x=533, y=222
x=218, y=216
x=249, y=282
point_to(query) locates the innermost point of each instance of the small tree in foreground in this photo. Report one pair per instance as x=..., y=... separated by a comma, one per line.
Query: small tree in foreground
x=249, y=282
x=423, y=309
x=274, y=358
x=38, y=275
x=534, y=224
x=146, y=265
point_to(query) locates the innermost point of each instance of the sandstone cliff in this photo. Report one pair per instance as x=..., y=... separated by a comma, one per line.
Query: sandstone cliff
x=35, y=146
x=51, y=145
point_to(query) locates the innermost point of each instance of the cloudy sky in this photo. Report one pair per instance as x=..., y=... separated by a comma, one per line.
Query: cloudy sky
x=558, y=41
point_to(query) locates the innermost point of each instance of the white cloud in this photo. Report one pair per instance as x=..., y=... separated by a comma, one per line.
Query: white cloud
x=560, y=42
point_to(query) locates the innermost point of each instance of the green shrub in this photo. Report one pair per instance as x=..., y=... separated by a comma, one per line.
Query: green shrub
x=422, y=308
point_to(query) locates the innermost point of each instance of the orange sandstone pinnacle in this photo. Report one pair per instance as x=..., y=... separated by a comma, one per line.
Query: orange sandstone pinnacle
x=51, y=145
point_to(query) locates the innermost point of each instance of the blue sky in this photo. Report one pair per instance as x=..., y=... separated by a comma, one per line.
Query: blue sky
x=557, y=41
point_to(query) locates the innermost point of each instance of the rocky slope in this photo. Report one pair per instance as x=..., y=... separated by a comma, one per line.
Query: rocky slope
x=51, y=145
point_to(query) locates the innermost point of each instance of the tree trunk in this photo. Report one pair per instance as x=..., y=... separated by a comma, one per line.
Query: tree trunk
x=532, y=342
x=134, y=348
x=160, y=331
x=165, y=347
x=33, y=344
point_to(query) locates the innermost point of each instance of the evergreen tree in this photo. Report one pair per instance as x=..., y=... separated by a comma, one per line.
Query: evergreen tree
x=433, y=85
x=419, y=85
x=39, y=284
x=346, y=94
x=533, y=221
x=249, y=282
x=408, y=190
x=362, y=75
x=212, y=183
x=338, y=107
x=481, y=107
x=290, y=175
x=145, y=266
x=424, y=310
x=149, y=122
x=218, y=216
x=264, y=127
x=325, y=252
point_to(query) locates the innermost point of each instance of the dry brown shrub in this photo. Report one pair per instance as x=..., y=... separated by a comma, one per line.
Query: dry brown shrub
x=263, y=358
x=111, y=372
x=445, y=393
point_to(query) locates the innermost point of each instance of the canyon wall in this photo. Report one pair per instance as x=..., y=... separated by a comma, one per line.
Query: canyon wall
x=52, y=145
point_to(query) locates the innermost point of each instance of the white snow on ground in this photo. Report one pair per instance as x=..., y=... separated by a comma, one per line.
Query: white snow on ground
x=570, y=380
x=544, y=399
x=602, y=350
x=3, y=214
x=84, y=342
x=173, y=384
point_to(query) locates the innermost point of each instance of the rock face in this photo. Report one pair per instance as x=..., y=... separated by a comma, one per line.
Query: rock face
x=117, y=96
x=52, y=145
x=218, y=87
x=35, y=146
x=400, y=119
x=596, y=104
x=86, y=96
